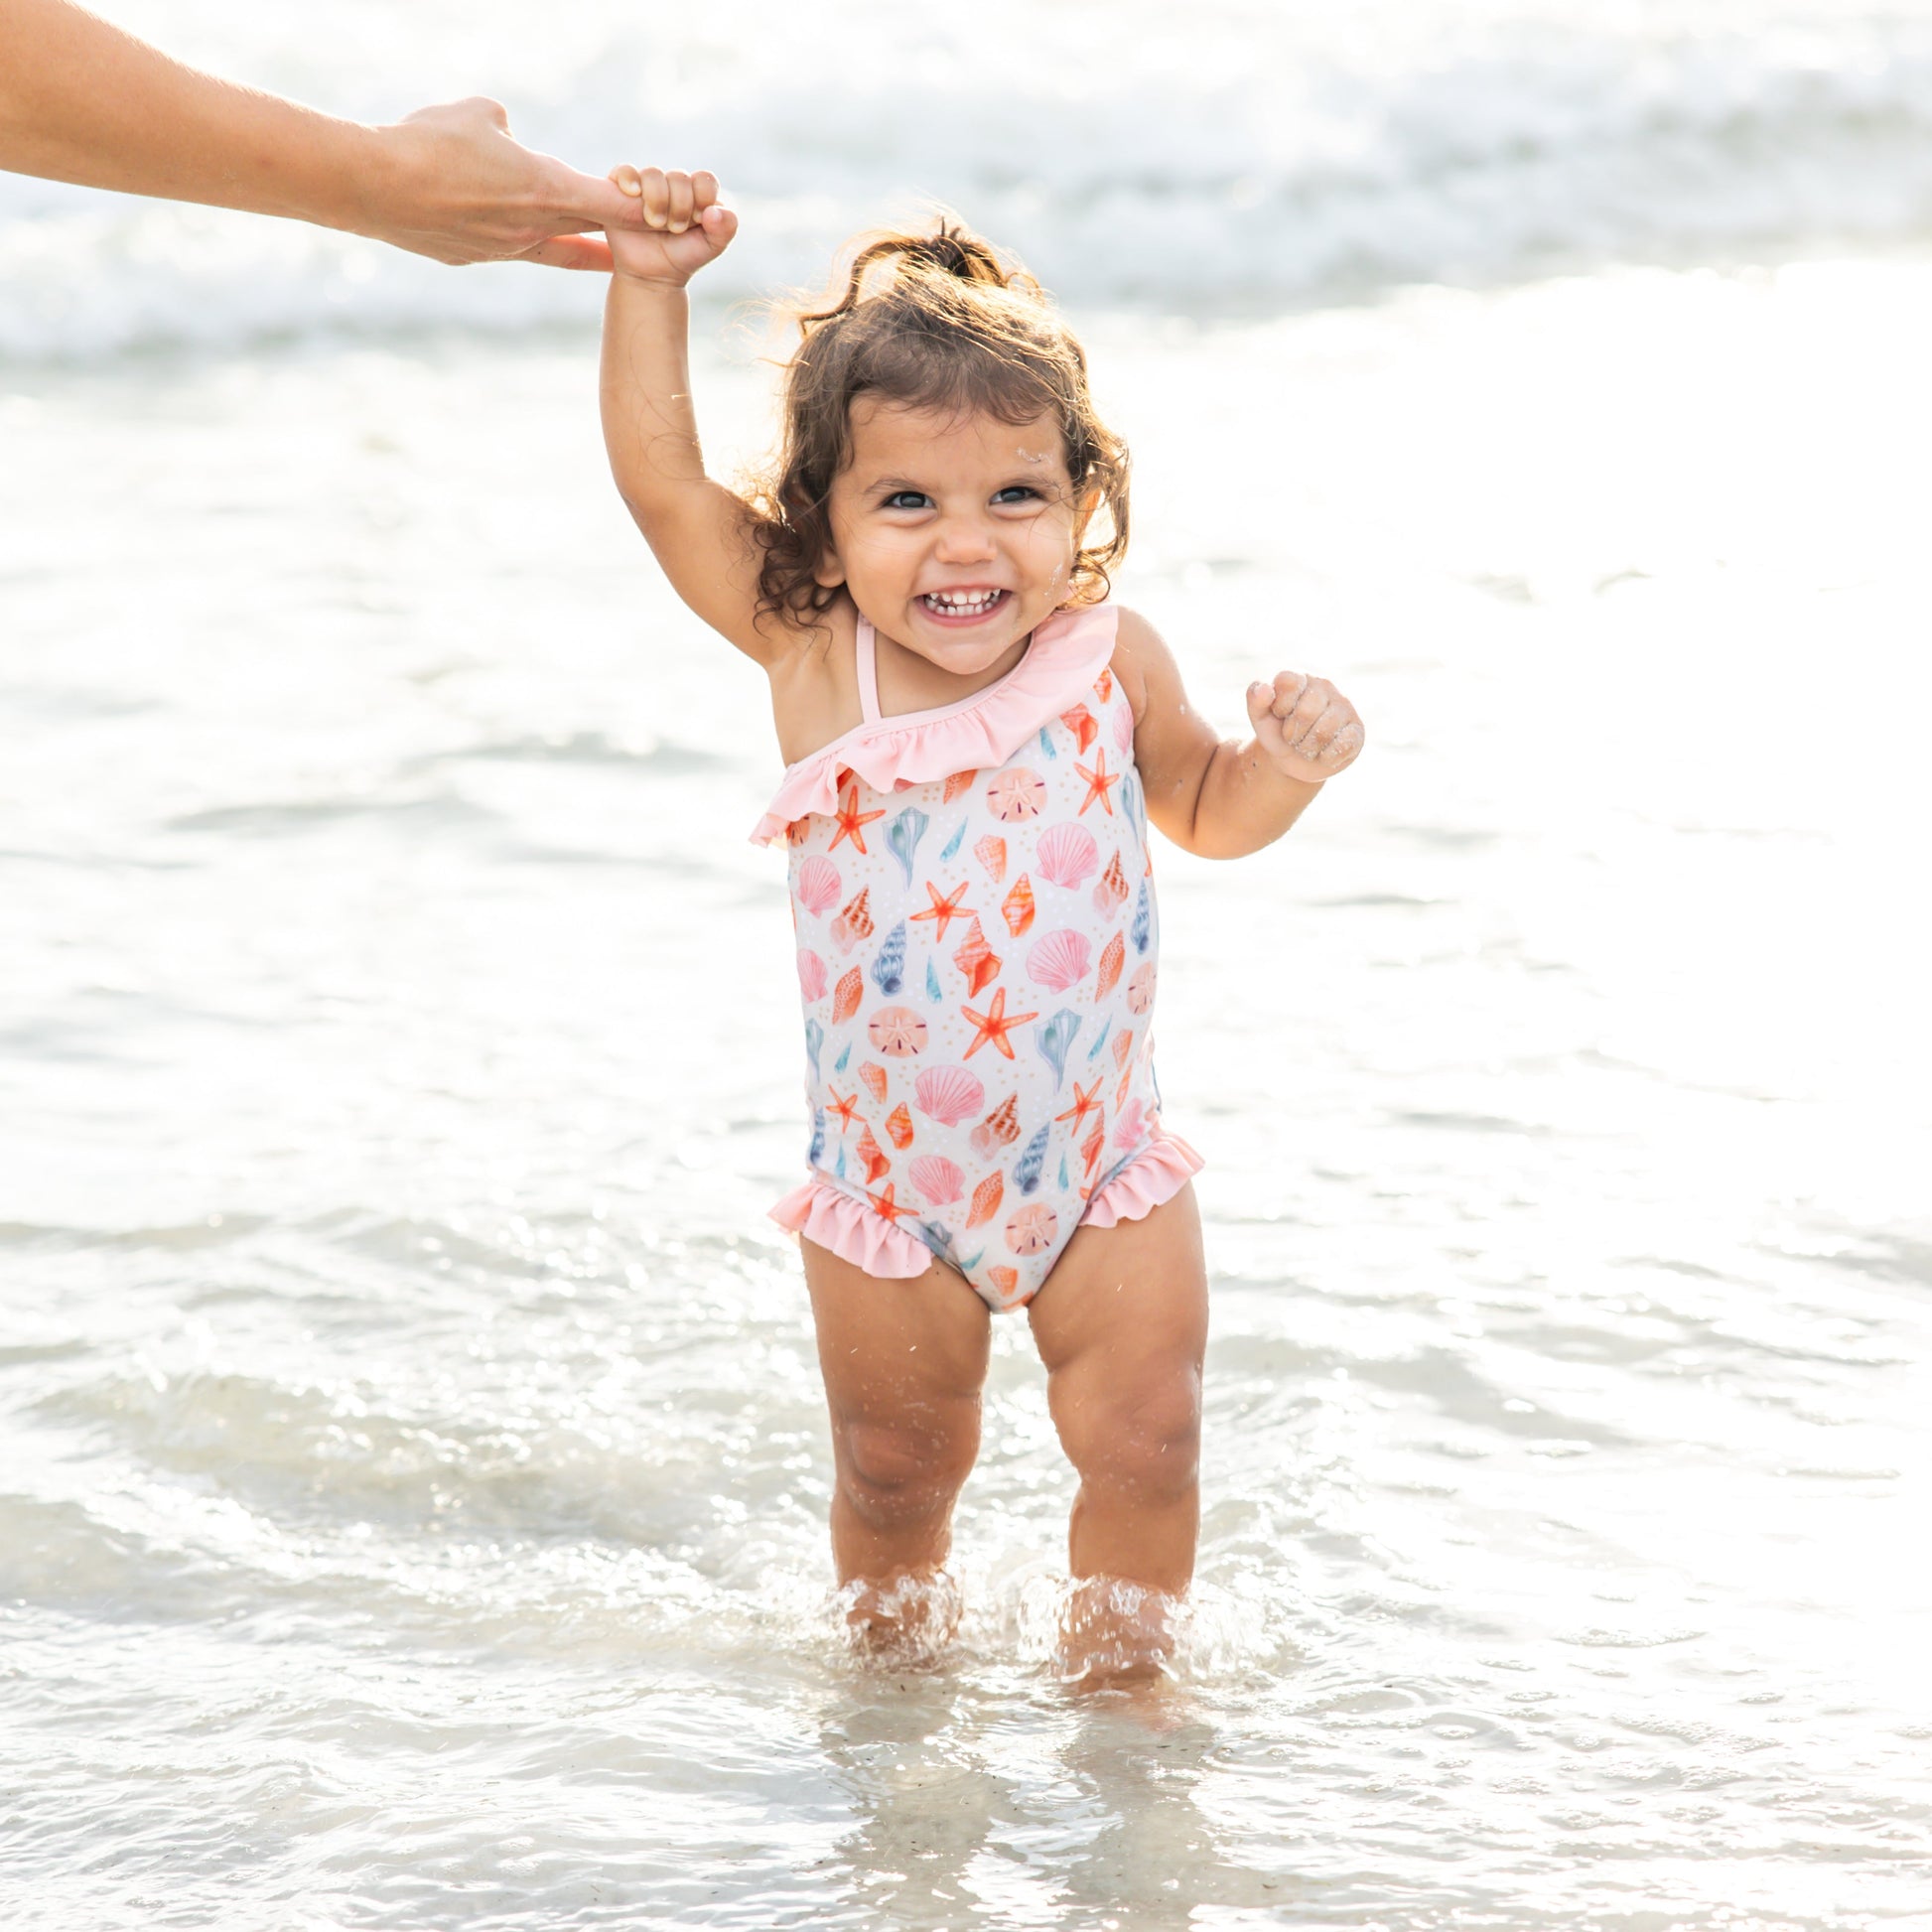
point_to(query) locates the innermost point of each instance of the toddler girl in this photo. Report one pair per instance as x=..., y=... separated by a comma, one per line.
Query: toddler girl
x=976, y=740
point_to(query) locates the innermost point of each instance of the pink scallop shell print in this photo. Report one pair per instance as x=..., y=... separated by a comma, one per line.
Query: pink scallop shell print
x=819, y=884
x=811, y=975
x=1059, y=960
x=1067, y=855
x=1124, y=728
x=948, y=1094
x=1016, y=795
x=937, y=1178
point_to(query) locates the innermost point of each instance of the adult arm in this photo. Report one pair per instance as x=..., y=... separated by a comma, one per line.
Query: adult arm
x=82, y=101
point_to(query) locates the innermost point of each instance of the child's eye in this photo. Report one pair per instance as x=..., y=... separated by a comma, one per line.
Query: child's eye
x=1016, y=494
x=907, y=499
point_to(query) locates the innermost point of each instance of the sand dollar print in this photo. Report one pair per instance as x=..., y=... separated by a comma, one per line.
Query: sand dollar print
x=1016, y=795
x=898, y=1032
x=1032, y=1230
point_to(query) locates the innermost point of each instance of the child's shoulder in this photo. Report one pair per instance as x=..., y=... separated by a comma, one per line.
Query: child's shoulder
x=814, y=679
x=1141, y=656
x=1136, y=641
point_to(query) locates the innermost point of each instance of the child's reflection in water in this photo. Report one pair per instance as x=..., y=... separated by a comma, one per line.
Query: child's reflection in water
x=940, y=1834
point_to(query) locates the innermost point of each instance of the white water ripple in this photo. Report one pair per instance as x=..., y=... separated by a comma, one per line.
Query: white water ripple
x=1255, y=153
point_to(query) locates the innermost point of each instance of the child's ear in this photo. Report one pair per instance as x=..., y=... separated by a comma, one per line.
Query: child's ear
x=829, y=573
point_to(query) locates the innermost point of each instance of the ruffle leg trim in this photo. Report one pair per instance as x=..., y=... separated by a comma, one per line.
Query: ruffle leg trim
x=1156, y=1174
x=853, y=1231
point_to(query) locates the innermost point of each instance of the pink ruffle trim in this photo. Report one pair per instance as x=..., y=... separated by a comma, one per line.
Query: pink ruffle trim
x=1156, y=1174
x=852, y=1231
x=867, y=1239
x=1068, y=652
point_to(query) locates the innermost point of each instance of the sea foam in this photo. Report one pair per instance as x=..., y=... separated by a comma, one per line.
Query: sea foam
x=1258, y=156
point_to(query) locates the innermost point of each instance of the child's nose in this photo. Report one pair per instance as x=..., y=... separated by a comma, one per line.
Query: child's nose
x=965, y=540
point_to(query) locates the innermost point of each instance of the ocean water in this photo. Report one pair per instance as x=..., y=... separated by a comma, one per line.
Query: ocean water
x=412, y=1463
x=1249, y=153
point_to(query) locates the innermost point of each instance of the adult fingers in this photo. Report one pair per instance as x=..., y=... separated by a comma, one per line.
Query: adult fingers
x=584, y=202
x=585, y=251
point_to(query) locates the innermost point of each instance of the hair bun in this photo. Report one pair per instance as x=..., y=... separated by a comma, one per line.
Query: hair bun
x=948, y=252
x=953, y=250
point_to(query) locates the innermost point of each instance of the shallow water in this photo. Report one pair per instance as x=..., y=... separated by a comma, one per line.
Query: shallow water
x=412, y=1469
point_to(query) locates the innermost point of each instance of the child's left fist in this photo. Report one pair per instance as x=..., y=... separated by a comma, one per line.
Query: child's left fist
x=1308, y=730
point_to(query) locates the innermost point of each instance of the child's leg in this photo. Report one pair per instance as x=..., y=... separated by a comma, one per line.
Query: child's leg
x=903, y=1364
x=1122, y=1326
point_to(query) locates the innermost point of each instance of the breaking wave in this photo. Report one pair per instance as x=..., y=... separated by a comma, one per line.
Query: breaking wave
x=1255, y=156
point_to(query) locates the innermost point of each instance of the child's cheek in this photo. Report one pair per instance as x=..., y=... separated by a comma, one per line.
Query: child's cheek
x=1050, y=544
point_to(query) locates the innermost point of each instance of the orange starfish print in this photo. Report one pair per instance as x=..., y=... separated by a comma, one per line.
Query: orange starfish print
x=883, y=1204
x=851, y=820
x=994, y=1026
x=1083, y=1105
x=845, y=1106
x=944, y=911
x=1098, y=781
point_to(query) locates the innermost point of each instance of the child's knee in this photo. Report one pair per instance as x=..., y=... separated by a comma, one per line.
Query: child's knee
x=896, y=1472
x=1143, y=1438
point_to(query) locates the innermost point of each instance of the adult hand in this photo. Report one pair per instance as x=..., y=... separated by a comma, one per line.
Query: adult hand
x=82, y=101
x=452, y=185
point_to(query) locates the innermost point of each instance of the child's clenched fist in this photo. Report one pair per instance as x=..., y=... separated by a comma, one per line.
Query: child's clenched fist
x=687, y=226
x=1307, y=728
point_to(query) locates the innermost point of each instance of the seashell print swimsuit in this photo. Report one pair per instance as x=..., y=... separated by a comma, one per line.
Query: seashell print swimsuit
x=973, y=899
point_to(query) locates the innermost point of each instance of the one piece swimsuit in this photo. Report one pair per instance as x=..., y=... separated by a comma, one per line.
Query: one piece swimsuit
x=973, y=899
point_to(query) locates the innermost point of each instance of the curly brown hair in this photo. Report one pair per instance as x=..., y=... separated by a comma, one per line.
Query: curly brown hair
x=938, y=321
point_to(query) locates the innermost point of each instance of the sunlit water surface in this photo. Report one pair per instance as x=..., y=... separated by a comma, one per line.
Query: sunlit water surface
x=412, y=1466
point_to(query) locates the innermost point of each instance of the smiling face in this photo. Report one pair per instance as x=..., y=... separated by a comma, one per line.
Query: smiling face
x=955, y=533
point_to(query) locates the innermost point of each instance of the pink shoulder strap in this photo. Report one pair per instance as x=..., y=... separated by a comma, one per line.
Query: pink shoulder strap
x=866, y=661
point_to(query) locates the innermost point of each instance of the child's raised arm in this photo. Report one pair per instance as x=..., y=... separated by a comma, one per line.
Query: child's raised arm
x=701, y=531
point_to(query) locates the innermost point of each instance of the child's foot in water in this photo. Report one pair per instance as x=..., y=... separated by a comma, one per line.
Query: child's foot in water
x=1116, y=1635
x=907, y=1620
